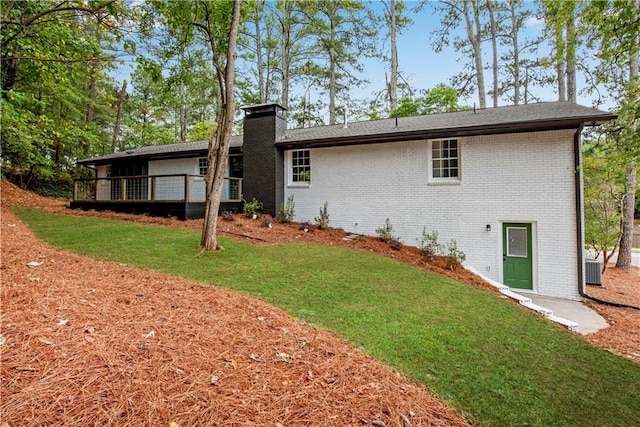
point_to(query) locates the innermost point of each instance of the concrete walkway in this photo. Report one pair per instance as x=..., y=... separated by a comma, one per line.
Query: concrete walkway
x=589, y=321
x=575, y=315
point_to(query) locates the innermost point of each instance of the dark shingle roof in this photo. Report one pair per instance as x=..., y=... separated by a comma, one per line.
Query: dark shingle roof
x=160, y=151
x=530, y=117
x=522, y=118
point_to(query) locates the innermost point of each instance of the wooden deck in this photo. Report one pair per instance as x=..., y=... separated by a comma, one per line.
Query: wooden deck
x=180, y=196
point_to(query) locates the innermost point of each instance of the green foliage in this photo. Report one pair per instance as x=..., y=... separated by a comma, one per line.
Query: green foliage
x=252, y=208
x=323, y=218
x=428, y=243
x=287, y=212
x=483, y=355
x=201, y=131
x=430, y=247
x=440, y=99
x=454, y=252
x=55, y=92
x=603, y=192
x=385, y=233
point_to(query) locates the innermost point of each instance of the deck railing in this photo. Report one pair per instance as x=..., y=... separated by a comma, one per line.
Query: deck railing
x=152, y=188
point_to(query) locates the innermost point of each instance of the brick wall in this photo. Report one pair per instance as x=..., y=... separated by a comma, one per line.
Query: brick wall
x=524, y=177
x=262, y=163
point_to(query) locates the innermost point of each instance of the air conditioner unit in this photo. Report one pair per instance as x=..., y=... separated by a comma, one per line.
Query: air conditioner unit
x=593, y=275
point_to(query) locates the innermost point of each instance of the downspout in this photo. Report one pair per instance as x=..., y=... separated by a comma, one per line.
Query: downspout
x=577, y=163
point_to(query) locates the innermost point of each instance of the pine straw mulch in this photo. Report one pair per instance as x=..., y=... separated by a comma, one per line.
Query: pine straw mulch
x=129, y=347
x=89, y=342
x=622, y=337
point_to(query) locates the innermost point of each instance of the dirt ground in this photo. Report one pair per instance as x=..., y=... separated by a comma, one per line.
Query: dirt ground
x=86, y=342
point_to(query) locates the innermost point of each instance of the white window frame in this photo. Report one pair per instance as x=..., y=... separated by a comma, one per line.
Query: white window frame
x=458, y=158
x=201, y=167
x=290, y=167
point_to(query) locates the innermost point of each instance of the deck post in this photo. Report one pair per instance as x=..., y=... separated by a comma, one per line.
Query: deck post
x=153, y=188
x=186, y=188
x=123, y=189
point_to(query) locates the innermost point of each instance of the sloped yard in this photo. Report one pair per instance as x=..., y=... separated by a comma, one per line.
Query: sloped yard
x=90, y=342
x=118, y=345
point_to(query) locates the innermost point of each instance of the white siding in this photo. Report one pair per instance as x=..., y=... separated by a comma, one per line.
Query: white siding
x=524, y=177
x=103, y=187
x=172, y=188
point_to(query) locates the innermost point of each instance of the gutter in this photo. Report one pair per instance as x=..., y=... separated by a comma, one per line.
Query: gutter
x=577, y=163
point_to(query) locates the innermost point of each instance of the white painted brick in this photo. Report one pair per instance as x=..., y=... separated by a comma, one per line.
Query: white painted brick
x=525, y=177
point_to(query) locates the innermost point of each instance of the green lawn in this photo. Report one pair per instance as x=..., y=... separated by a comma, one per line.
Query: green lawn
x=497, y=363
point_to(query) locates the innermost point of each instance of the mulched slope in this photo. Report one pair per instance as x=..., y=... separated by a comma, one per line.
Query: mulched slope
x=88, y=342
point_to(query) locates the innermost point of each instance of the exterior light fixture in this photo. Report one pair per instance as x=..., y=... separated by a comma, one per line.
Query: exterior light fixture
x=488, y=227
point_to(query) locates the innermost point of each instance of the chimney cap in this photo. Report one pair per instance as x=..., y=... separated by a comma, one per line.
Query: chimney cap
x=264, y=110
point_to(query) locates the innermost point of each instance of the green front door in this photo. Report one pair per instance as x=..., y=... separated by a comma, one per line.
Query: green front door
x=517, y=255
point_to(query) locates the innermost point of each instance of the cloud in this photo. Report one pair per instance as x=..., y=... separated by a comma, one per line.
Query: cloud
x=534, y=21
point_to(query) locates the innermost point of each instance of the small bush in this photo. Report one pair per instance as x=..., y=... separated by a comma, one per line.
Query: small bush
x=454, y=252
x=429, y=245
x=323, y=219
x=252, y=208
x=287, y=212
x=385, y=233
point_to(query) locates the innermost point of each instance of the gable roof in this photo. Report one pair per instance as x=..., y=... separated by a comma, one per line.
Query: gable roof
x=512, y=119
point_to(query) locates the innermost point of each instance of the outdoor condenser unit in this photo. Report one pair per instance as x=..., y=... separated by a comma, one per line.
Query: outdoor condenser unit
x=593, y=275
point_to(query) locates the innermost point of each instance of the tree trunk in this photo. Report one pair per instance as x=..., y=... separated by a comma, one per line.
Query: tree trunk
x=571, y=58
x=475, y=38
x=393, y=80
x=628, y=204
x=259, y=60
x=515, y=28
x=219, y=153
x=631, y=182
x=494, y=48
x=92, y=92
x=285, y=40
x=561, y=73
x=9, y=72
x=116, y=129
x=182, y=111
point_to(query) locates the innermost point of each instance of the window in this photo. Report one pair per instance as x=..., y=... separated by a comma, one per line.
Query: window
x=203, y=165
x=300, y=167
x=445, y=160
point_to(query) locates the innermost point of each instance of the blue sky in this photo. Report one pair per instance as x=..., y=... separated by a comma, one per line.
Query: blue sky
x=424, y=68
x=421, y=65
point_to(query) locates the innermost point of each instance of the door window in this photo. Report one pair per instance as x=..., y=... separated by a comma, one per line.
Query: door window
x=517, y=242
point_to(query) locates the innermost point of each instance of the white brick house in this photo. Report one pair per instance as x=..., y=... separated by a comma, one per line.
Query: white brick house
x=505, y=183
x=524, y=178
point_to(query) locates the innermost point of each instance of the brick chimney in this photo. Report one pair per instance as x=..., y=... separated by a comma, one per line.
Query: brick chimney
x=263, y=164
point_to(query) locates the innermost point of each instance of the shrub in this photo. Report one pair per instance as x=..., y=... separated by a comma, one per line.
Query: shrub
x=454, y=252
x=385, y=233
x=323, y=218
x=252, y=208
x=287, y=212
x=430, y=247
x=428, y=243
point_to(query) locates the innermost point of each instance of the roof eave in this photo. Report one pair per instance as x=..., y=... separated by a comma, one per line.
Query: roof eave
x=502, y=128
